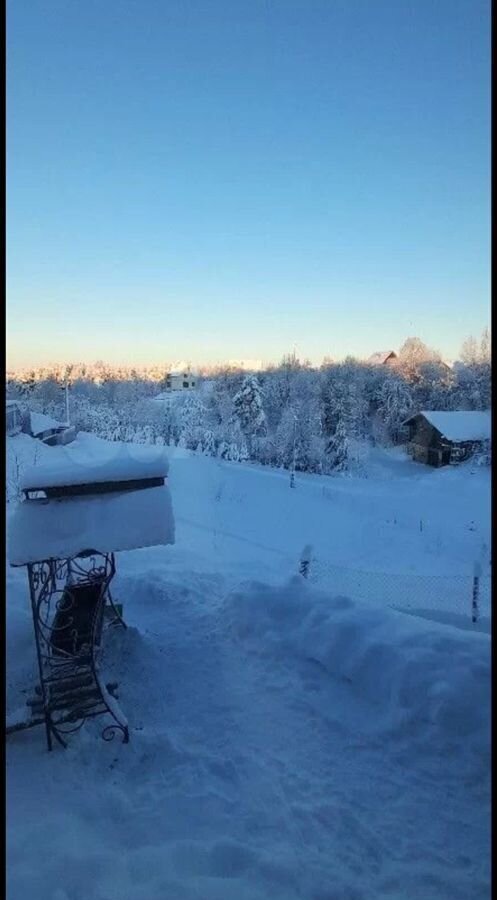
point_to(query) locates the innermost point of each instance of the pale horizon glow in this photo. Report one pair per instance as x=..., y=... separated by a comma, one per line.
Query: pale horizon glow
x=236, y=181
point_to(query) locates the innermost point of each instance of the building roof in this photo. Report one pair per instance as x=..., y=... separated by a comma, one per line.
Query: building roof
x=168, y=397
x=380, y=357
x=181, y=368
x=248, y=365
x=458, y=425
x=40, y=423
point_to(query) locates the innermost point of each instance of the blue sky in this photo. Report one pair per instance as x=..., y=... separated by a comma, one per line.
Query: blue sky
x=214, y=180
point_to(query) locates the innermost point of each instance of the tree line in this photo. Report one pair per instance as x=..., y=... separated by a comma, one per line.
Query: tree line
x=316, y=419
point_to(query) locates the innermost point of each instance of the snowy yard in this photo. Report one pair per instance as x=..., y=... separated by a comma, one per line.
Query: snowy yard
x=285, y=742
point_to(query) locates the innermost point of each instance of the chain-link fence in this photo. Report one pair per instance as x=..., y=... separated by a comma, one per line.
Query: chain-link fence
x=463, y=600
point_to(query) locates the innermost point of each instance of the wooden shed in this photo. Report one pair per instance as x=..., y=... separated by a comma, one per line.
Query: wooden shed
x=441, y=438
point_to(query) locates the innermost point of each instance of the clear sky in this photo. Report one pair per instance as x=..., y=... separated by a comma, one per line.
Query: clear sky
x=216, y=179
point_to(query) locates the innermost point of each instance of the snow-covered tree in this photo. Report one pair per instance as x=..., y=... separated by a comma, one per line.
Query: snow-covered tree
x=248, y=410
x=192, y=419
x=337, y=448
x=412, y=355
x=395, y=405
x=208, y=443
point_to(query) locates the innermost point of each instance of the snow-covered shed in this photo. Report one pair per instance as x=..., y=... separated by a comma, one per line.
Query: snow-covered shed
x=439, y=438
x=50, y=431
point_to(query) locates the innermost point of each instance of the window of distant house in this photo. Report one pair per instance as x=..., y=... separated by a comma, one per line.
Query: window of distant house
x=193, y=384
x=185, y=384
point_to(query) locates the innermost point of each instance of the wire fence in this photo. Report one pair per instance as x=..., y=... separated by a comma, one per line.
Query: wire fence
x=463, y=600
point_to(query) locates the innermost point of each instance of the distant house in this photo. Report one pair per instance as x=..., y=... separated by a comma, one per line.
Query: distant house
x=51, y=432
x=181, y=379
x=382, y=358
x=443, y=438
x=246, y=365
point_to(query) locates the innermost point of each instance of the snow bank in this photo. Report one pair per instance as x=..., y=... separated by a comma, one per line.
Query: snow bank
x=425, y=679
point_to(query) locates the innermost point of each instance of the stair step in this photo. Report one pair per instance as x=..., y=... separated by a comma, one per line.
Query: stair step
x=68, y=701
x=71, y=683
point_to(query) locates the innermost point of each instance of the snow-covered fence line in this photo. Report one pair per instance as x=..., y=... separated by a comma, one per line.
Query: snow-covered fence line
x=454, y=599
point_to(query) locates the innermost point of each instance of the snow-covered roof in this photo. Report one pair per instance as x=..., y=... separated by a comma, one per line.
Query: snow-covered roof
x=459, y=425
x=182, y=368
x=380, y=357
x=40, y=423
x=249, y=365
x=127, y=462
x=62, y=528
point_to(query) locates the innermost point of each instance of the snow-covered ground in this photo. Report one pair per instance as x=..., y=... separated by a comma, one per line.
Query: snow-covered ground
x=285, y=742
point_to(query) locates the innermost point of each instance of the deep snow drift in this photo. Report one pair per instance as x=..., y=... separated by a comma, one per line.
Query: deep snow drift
x=285, y=742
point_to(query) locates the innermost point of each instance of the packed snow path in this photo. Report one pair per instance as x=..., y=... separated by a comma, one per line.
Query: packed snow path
x=248, y=775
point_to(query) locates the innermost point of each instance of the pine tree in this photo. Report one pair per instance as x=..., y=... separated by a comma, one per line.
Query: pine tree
x=337, y=448
x=208, y=443
x=395, y=405
x=192, y=417
x=248, y=410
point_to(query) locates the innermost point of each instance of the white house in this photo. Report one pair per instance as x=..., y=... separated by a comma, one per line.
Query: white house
x=181, y=378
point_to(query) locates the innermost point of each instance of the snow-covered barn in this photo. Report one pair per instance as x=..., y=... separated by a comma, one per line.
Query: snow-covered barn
x=439, y=438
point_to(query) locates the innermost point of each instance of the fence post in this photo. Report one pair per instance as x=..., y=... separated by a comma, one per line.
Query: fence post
x=305, y=560
x=476, y=592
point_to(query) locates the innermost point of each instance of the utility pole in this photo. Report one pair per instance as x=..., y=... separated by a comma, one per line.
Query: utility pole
x=475, y=612
x=67, y=402
x=65, y=388
x=292, y=475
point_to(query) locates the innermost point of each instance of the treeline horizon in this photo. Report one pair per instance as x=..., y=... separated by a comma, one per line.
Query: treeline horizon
x=315, y=419
x=469, y=351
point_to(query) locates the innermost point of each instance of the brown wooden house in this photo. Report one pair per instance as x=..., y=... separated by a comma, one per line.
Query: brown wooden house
x=382, y=358
x=446, y=437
